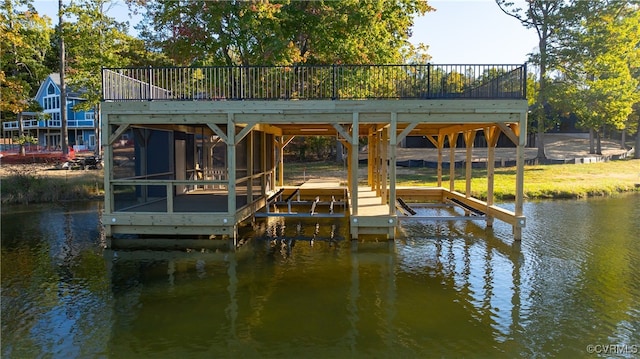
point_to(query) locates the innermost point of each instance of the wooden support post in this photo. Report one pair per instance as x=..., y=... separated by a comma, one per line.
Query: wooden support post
x=380, y=163
x=250, y=161
x=393, y=144
x=439, y=166
x=376, y=161
x=521, y=131
x=231, y=167
x=453, y=138
x=280, y=146
x=265, y=182
x=370, y=159
x=354, y=162
x=385, y=165
x=491, y=134
x=469, y=137
x=349, y=163
x=108, y=169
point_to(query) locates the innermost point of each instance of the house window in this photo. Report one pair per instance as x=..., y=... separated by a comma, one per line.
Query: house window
x=51, y=90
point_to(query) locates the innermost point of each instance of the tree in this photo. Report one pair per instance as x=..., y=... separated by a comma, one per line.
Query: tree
x=279, y=33
x=636, y=116
x=548, y=19
x=598, y=64
x=22, y=140
x=95, y=40
x=24, y=40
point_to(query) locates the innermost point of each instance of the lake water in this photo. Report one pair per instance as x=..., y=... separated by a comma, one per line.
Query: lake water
x=570, y=289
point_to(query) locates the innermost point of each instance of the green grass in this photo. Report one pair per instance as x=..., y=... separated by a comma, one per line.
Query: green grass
x=26, y=187
x=542, y=181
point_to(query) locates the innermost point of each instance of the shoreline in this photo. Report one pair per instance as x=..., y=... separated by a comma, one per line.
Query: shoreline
x=24, y=184
x=572, y=173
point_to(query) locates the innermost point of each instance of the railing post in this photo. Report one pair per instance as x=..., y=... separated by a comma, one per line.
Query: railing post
x=104, y=88
x=150, y=97
x=334, y=91
x=428, y=80
x=524, y=81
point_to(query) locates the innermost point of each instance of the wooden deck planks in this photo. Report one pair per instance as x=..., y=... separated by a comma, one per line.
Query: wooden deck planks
x=369, y=204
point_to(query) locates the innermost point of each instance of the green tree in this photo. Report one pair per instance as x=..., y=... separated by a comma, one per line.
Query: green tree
x=24, y=40
x=95, y=40
x=599, y=61
x=280, y=32
x=548, y=19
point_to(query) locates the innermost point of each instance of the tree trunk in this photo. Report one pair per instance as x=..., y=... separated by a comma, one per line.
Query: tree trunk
x=63, y=91
x=22, y=150
x=592, y=149
x=623, y=139
x=598, y=143
x=540, y=144
x=339, y=150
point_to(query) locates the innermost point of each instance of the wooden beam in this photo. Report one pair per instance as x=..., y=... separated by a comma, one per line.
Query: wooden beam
x=393, y=144
x=218, y=131
x=491, y=134
x=432, y=140
x=453, y=139
x=342, y=132
x=439, y=166
x=469, y=137
x=404, y=132
x=231, y=166
x=354, y=163
x=250, y=160
x=114, y=136
x=370, y=170
x=509, y=132
x=522, y=136
x=286, y=142
x=244, y=132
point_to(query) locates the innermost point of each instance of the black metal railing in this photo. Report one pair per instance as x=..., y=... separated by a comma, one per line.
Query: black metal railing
x=335, y=82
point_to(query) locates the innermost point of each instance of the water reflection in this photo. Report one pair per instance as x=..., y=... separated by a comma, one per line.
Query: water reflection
x=301, y=288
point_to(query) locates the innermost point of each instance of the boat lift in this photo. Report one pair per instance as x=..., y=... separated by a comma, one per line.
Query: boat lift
x=409, y=213
x=294, y=199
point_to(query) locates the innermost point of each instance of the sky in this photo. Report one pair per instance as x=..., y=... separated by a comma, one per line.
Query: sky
x=458, y=32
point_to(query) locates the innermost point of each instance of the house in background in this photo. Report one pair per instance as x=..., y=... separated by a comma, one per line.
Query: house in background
x=47, y=125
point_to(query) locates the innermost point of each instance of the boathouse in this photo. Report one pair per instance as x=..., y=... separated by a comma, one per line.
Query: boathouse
x=195, y=151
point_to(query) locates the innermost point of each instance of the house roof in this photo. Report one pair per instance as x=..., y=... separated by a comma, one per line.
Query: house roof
x=55, y=78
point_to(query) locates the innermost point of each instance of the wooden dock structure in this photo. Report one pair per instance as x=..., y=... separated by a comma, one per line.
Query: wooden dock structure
x=197, y=151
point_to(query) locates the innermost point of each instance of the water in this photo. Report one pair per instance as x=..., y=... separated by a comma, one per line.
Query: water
x=570, y=287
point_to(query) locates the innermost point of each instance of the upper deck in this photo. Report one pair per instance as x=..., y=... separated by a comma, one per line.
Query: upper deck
x=315, y=82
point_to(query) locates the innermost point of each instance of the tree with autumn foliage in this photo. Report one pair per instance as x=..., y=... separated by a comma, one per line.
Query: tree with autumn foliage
x=95, y=40
x=279, y=32
x=24, y=40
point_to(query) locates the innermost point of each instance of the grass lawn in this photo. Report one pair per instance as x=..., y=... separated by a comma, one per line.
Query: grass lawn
x=543, y=181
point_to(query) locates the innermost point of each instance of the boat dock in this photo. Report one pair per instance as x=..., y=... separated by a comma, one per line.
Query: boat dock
x=182, y=162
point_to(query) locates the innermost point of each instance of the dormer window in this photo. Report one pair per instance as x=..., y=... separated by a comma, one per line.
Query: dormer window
x=51, y=90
